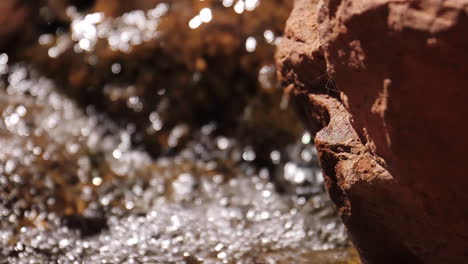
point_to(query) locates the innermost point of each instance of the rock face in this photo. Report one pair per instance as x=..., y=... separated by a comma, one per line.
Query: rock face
x=383, y=84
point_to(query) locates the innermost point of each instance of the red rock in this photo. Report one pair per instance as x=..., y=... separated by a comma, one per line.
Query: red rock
x=384, y=85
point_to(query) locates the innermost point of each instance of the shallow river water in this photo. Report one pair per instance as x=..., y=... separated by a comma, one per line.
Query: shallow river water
x=156, y=132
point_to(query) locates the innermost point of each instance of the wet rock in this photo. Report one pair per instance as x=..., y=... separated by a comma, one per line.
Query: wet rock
x=383, y=85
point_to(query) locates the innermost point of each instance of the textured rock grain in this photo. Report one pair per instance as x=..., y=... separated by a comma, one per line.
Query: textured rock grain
x=383, y=84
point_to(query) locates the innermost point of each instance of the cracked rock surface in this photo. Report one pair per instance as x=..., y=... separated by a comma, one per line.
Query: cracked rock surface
x=383, y=86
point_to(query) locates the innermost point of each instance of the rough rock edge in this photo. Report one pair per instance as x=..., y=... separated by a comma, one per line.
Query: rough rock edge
x=353, y=168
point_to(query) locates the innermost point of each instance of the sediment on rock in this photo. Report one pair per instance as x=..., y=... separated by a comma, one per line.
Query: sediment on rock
x=383, y=84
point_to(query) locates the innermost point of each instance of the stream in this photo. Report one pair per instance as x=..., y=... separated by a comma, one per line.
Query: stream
x=156, y=132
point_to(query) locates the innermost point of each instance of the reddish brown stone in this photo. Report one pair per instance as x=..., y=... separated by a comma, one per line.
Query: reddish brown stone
x=384, y=85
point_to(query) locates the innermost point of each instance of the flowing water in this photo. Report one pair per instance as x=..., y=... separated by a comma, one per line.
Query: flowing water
x=155, y=132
